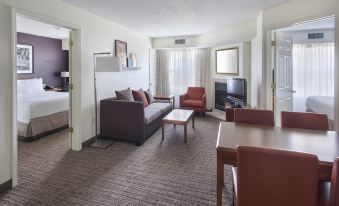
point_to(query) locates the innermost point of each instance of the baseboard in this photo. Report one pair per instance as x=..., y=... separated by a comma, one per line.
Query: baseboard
x=88, y=142
x=6, y=186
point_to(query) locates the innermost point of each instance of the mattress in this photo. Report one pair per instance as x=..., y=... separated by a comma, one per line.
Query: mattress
x=39, y=104
x=321, y=104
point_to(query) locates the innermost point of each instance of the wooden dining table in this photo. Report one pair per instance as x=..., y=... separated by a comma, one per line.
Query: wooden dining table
x=324, y=144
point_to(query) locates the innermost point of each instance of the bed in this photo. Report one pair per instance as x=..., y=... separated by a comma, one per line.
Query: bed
x=40, y=112
x=322, y=104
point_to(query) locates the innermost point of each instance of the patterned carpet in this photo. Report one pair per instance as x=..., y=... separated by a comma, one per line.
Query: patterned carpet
x=157, y=173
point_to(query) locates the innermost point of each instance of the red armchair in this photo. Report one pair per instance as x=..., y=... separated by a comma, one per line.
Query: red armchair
x=194, y=99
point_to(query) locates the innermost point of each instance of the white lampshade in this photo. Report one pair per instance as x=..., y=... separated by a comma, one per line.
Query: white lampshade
x=108, y=64
x=64, y=74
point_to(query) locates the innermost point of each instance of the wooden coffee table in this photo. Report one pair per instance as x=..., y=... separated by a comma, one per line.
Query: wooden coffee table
x=178, y=117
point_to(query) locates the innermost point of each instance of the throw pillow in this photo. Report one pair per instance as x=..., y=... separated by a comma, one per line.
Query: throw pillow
x=140, y=96
x=125, y=95
x=149, y=96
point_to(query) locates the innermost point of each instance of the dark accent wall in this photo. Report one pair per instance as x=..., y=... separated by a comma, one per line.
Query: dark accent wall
x=48, y=58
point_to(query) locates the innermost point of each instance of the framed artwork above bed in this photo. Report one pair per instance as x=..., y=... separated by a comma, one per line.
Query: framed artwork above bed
x=24, y=58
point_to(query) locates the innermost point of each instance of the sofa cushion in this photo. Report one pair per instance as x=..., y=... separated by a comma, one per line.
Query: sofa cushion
x=140, y=96
x=163, y=106
x=125, y=95
x=192, y=103
x=149, y=96
x=151, y=114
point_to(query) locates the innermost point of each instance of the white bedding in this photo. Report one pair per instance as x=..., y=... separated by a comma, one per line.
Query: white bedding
x=321, y=104
x=38, y=104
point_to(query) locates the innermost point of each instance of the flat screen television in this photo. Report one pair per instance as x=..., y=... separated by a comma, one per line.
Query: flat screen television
x=237, y=92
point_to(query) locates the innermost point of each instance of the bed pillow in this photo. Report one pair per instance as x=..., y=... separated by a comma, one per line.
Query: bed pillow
x=140, y=96
x=30, y=85
x=125, y=95
x=36, y=85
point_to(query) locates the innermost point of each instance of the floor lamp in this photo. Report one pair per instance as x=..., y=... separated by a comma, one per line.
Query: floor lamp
x=102, y=64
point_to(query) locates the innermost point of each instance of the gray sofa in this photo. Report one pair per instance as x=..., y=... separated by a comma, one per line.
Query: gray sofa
x=130, y=121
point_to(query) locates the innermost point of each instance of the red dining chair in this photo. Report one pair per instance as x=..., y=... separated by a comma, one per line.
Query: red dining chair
x=229, y=114
x=304, y=120
x=328, y=192
x=254, y=116
x=275, y=177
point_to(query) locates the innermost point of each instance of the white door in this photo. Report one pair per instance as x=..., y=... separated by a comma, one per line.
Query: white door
x=152, y=72
x=283, y=74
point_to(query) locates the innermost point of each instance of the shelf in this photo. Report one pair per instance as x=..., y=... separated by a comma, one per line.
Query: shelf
x=131, y=68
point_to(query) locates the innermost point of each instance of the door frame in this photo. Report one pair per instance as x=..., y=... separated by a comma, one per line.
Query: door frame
x=270, y=66
x=75, y=79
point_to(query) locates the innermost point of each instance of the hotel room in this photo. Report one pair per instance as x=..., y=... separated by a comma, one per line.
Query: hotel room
x=169, y=102
x=42, y=79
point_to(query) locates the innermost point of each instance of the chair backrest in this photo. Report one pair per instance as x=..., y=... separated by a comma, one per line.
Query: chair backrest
x=195, y=93
x=334, y=194
x=254, y=116
x=304, y=120
x=276, y=177
x=229, y=114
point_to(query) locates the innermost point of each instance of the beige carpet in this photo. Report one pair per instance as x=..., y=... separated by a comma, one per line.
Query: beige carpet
x=157, y=173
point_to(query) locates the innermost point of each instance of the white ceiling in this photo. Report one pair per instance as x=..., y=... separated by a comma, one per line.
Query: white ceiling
x=159, y=18
x=30, y=26
x=321, y=24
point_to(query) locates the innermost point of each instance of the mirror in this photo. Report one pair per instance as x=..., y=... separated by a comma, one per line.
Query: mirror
x=227, y=61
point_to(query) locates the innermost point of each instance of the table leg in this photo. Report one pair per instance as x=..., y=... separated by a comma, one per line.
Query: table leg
x=185, y=133
x=193, y=118
x=163, y=132
x=220, y=178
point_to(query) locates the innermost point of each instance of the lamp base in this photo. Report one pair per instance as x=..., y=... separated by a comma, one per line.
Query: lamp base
x=102, y=143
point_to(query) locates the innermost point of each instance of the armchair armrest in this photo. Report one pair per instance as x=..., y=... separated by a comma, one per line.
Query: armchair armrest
x=204, y=101
x=182, y=98
x=122, y=120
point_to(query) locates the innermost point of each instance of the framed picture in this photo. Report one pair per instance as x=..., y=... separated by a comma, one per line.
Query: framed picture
x=24, y=58
x=121, y=51
x=227, y=61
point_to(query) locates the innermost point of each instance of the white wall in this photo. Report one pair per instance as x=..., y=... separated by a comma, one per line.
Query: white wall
x=237, y=33
x=97, y=35
x=257, y=65
x=336, y=71
x=301, y=37
x=168, y=42
x=244, y=68
x=5, y=95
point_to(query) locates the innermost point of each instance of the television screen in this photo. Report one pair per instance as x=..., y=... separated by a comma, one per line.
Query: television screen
x=237, y=89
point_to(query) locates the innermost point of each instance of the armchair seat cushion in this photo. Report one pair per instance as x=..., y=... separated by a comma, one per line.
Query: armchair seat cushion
x=163, y=106
x=192, y=103
x=151, y=114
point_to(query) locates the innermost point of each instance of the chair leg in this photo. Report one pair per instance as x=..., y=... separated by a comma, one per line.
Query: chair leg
x=233, y=199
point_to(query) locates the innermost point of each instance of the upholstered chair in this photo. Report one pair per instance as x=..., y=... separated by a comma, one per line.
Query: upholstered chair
x=328, y=192
x=304, y=120
x=265, y=176
x=194, y=99
x=254, y=116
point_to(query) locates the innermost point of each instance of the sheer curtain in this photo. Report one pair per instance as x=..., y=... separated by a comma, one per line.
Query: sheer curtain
x=313, y=72
x=178, y=69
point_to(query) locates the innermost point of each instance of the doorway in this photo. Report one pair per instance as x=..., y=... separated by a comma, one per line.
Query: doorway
x=304, y=74
x=69, y=81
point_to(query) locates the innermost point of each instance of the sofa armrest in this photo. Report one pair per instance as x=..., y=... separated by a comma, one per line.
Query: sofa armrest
x=182, y=98
x=122, y=120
